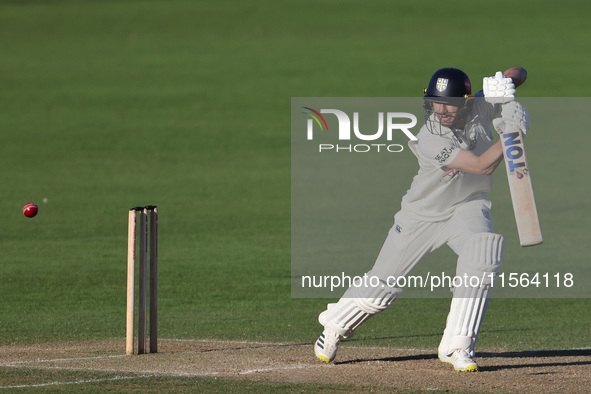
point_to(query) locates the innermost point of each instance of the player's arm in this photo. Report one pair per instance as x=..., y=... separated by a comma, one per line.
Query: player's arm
x=514, y=114
x=484, y=164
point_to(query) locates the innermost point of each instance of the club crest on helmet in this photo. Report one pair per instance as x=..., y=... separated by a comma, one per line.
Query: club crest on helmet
x=441, y=84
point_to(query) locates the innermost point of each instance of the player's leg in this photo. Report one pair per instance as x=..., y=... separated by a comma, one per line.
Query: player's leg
x=479, y=261
x=407, y=243
x=342, y=318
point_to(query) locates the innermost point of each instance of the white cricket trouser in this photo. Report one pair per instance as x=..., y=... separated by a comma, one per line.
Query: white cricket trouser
x=408, y=242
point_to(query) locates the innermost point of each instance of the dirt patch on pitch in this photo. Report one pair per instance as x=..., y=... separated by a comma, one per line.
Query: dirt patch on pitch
x=410, y=369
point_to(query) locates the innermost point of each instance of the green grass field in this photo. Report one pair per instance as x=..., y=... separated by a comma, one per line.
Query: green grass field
x=105, y=105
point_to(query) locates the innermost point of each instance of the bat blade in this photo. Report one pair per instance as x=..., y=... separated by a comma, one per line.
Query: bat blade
x=520, y=186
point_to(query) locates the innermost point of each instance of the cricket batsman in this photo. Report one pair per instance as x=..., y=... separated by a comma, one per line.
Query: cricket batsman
x=447, y=204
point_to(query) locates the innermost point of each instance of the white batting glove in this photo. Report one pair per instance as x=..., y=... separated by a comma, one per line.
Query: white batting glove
x=514, y=116
x=498, y=89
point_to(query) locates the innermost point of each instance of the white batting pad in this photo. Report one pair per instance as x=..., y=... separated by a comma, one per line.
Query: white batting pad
x=480, y=259
x=355, y=307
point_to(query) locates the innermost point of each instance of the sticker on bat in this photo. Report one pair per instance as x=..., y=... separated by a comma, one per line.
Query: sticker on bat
x=520, y=173
x=513, y=152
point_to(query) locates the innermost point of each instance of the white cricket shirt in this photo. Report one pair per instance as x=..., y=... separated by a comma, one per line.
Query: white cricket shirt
x=437, y=190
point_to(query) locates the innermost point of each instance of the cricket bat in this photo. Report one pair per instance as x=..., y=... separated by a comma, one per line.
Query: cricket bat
x=520, y=186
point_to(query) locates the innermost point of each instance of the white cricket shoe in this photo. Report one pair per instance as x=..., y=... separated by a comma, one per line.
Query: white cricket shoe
x=461, y=361
x=327, y=345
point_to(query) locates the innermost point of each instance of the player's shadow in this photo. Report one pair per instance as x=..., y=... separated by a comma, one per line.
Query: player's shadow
x=414, y=357
x=541, y=354
x=361, y=340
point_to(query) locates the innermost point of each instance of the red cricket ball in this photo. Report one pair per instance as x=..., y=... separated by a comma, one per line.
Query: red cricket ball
x=30, y=210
